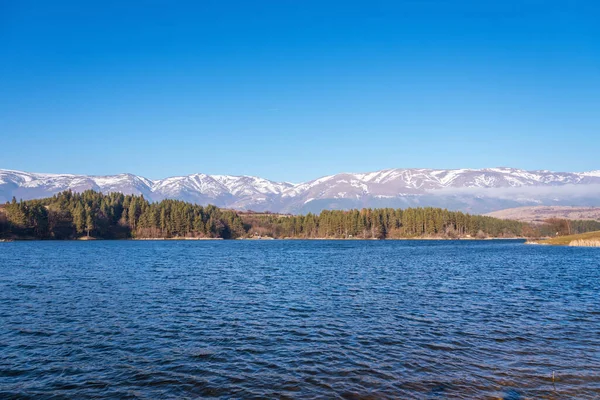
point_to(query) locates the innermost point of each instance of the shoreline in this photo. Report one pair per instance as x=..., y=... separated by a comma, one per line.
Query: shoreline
x=588, y=239
x=409, y=238
x=174, y=238
x=85, y=239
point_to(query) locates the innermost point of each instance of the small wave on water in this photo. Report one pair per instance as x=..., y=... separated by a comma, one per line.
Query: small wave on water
x=296, y=319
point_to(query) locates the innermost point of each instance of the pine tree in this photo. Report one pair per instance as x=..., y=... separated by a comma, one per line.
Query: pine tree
x=89, y=223
x=79, y=218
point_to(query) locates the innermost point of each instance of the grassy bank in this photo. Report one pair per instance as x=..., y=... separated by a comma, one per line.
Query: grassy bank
x=589, y=239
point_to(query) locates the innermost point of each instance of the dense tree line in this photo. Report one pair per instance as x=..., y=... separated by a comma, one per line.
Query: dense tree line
x=112, y=216
x=384, y=223
x=562, y=227
x=71, y=215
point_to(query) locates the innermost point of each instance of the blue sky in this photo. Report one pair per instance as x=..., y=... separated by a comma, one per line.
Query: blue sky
x=293, y=90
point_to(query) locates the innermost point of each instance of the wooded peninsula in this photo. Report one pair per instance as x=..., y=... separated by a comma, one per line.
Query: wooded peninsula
x=90, y=214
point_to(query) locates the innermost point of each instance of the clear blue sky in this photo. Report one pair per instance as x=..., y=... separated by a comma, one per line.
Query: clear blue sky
x=292, y=90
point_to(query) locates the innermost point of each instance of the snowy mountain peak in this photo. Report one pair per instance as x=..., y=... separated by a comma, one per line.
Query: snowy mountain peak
x=591, y=173
x=467, y=189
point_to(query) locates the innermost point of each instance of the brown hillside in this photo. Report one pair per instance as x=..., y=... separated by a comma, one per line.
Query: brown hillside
x=541, y=213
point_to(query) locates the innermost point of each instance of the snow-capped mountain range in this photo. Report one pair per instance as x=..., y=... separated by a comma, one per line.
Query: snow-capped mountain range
x=473, y=190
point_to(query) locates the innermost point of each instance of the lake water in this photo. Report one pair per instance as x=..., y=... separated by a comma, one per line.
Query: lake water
x=299, y=319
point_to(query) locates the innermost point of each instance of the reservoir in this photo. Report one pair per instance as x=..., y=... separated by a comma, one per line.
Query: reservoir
x=299, y=319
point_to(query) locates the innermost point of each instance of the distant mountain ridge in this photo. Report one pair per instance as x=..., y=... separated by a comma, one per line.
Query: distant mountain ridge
x=473, y=190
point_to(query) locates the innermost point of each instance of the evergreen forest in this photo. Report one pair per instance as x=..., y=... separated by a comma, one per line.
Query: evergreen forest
x=94, y=215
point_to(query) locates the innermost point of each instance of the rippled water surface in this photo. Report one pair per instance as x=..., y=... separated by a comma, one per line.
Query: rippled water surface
x=299, y=319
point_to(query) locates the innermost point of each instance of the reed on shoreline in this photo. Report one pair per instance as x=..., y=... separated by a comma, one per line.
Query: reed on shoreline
x=584, y=243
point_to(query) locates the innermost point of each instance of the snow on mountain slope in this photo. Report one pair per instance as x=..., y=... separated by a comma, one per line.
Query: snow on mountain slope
x=467, y=189
x=241, y=192
x=223, y=190
x=591, y=173
x=34, y=185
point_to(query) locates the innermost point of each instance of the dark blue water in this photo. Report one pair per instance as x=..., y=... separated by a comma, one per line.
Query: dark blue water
x=299, y=319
